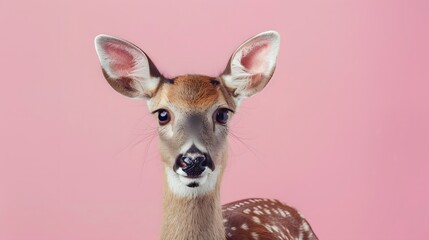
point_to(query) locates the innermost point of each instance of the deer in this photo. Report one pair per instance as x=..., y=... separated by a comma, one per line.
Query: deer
x=193, y=113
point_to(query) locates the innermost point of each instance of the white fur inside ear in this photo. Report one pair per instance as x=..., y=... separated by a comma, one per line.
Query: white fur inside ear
x=122, y=59
x=253, y=64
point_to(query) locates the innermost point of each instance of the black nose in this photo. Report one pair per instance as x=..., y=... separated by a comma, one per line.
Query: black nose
x=193, y=162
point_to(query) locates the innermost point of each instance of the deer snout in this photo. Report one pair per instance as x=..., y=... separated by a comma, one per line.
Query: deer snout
x=193, y=165
x=193, y=162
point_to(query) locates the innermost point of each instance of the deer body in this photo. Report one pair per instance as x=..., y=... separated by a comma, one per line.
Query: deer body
x=193, y=113
x=261, y=218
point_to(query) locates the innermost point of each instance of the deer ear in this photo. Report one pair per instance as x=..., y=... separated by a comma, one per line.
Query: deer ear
x=126, y=67
x=252, y=65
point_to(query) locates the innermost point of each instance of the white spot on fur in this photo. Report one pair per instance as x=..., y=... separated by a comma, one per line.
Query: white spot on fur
x=283, y=235
x=305, y=227
x=258, y=212
x=275, y=228
x=268, y=227
x=255, y=235
x=301, y=235
x=244, y=226
x=256, y=219
x=284, y=213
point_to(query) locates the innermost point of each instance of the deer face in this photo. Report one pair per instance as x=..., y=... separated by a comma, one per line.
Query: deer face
x=192, y=111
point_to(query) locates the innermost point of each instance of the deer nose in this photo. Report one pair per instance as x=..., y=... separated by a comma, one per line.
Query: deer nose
x=193, y=162
x=194, y=165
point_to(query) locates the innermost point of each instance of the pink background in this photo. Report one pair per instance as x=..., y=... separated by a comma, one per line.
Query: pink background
x=341, y=132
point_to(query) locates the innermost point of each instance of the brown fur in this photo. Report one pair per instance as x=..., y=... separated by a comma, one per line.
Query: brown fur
x=260, y=215
x=193, y=91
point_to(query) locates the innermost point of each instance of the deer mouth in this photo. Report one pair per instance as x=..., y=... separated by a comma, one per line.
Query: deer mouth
x=184, y=186
x=194, y=177
x=193, y=181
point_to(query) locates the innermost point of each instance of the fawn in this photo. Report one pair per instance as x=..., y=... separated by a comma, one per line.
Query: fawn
x=193, y=112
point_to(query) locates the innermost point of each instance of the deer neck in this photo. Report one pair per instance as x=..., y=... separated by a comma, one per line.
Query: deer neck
x=192, y=218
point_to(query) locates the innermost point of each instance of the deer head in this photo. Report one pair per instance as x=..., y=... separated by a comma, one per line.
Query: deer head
x=193, y=111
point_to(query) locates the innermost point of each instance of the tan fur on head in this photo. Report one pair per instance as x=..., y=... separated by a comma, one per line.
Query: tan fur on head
x=194, y=91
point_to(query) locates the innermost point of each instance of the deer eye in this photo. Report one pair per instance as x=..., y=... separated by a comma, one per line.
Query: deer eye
x=163, y=117
x=222, y=115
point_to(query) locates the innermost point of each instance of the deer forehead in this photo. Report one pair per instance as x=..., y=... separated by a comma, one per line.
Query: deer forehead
x=191, y=92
